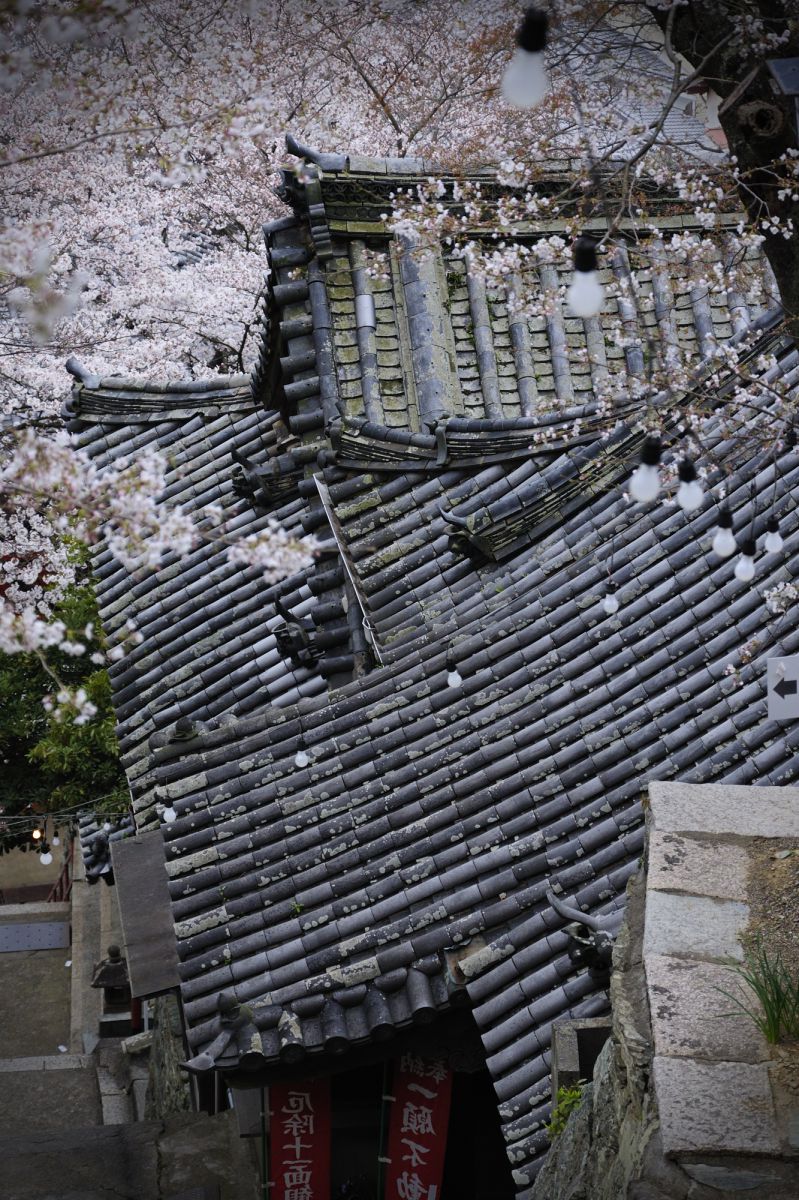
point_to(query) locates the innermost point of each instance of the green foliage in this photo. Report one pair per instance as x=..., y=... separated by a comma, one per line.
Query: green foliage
x=82, y=761
x=23, y=721
x=56, y=764
x=568, y=1099
x=775, y=1004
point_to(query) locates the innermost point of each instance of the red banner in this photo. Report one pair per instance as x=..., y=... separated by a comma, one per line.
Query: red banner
x=299, y=1125
x=417, y=1137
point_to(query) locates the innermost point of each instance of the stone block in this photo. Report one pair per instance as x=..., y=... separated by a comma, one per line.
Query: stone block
x=692, y=1018
x=139, y=1098
x=693, y=926
x=765, y=1180
x=117, y=1109
x=65, y=1062
x=687, y=864
x=22, y=1064
x=714, y=1107
x=198, y=1151
x=41, y=910
x=107, y=1084
x=138, y=1043
x=576, y=1045
x=90, y=1041
x=113, y=1025
x=725, y=808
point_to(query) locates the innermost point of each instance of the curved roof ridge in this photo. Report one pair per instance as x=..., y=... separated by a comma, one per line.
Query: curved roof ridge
x=135, y=398
x=352, y=162
x=89, y=380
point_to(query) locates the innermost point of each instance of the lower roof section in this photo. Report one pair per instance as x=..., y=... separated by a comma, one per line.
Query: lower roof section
x=501, y=751
x=350, y=863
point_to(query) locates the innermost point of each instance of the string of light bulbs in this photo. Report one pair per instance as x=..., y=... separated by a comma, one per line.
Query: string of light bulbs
x=525, y=83
x=18, y=823
x=646, y=485
x=61, y=813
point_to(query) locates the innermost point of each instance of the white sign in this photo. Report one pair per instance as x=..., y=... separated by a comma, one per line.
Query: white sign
x=783, y=688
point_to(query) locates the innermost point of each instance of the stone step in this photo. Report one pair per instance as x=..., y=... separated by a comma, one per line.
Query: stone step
x=47, y=1095
x=182, y=1157
x=76, y=1137
x=82, y=1163
x=47, y=1062
x=117, y=1106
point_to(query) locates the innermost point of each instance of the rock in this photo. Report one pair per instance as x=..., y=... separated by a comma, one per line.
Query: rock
x=566, y=1173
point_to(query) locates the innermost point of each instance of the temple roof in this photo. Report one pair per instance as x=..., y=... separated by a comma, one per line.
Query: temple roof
x=209, y=630
x=479, y=733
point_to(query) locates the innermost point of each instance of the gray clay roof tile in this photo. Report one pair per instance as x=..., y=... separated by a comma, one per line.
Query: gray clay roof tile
x=430, y=816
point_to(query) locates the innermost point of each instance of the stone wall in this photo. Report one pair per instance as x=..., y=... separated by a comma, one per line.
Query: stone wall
x=606, y=1140
x=168, y=1086
x=687, y=1101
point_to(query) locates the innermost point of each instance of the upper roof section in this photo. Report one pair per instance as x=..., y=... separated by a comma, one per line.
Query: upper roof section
x=410, y=355
x=361, y=188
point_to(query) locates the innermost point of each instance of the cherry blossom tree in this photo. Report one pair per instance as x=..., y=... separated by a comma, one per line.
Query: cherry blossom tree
x=138, y=160
x=730, y=42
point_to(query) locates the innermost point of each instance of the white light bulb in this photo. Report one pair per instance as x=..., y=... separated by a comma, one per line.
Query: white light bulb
x=645, y=483
x=525, y=82
x=301, y=759
x=586, y=294
x=745, y=568
x=690, y=495
x=724, y=543
x=46, y=858
x=610, y=604
x=107, y=826
x=56, y=840
x=773, y=543
x=454, y=678
x=169, y=814
x=37, y=833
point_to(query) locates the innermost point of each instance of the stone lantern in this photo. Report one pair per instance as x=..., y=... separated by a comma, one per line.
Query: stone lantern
x=112, y=976
x=120, y=1013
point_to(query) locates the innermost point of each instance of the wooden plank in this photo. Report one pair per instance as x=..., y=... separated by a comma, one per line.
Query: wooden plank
x=147, y=928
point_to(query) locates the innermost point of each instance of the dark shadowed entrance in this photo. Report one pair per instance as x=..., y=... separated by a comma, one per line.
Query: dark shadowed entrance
x=476, y=1165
